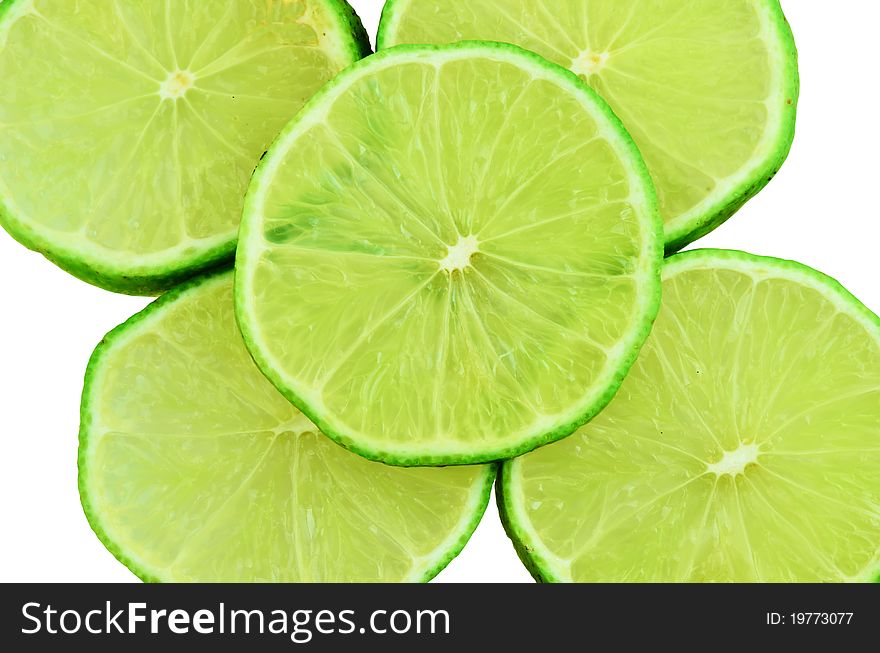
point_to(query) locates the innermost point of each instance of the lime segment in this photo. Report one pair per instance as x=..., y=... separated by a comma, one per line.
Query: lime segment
x=708, y=90
x=129, y=128
x=194, y=468
x=743, y=446
x=450, y=256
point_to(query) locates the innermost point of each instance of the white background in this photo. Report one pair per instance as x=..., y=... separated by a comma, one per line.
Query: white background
x=821, y=210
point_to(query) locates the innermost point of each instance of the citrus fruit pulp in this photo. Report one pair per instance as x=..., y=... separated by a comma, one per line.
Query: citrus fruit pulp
x=743, y=446
x=450, y=256
x=707, y=89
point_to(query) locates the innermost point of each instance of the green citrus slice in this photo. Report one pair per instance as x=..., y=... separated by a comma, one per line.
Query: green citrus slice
x=707, y=89
x=194, y=468
x=129, y=128
x=450, y=256
x=743, y=446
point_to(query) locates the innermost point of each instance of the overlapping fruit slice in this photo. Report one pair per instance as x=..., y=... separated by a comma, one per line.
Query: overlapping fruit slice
x=194, y=468
x=708, y=89
x=129, y=128
x=743, y=446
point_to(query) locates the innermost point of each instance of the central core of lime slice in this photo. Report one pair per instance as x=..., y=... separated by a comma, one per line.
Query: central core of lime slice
x=176, y=85
x=737, y=461
x=589, y=63
x=458, y=256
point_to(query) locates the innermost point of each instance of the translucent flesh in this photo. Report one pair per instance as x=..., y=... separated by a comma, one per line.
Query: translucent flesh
x=741, y=356
x=101, y=163
x=697, y=83
x=344, y=279
x=196, y=469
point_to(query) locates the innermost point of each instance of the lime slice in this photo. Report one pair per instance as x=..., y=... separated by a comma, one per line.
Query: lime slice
x=450, y=256
x=194, y=468
x=129, y=128
x=707, y=89
x=743, y=446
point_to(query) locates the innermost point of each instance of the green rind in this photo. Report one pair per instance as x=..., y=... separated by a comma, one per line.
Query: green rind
x=86, y=423
x=347, y=15
x=86, y=415
x=154, y=280
x=389, y=13
x=639, y=336
x=726, y=207
x=137, y=281
x=527, y=550
x=738, y=197
x=4, y=6
x=684, y=258
x=467, y=533
x=527, y=554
